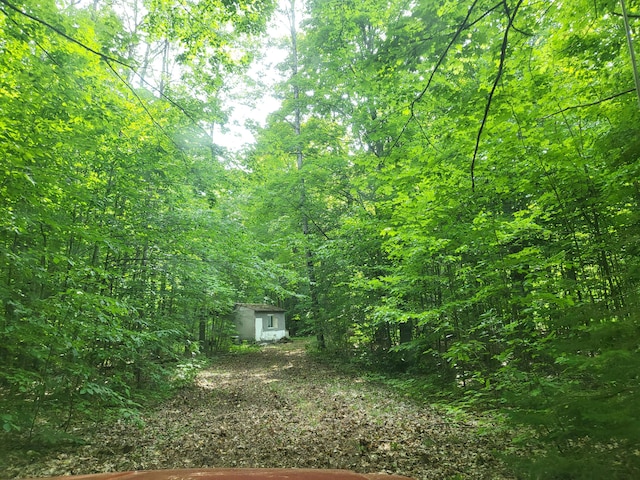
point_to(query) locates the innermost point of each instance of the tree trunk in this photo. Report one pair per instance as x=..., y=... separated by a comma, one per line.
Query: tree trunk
x=311, y=274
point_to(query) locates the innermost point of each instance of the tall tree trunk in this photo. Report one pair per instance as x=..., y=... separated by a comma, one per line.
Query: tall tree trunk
x=202, y=331
x=632, y=52
x=164, y=75
x=309, y=257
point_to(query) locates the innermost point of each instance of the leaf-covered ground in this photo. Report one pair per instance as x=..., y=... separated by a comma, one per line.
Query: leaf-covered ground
x=280, y=408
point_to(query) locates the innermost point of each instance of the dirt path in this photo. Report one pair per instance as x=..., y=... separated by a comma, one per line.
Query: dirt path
x=279, y=408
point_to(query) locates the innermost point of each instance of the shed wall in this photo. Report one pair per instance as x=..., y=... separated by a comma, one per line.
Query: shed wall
x=271, y=334
x=251, y=323
x=245, y=323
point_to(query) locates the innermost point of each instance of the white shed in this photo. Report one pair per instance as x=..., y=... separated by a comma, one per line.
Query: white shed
x=260, y=322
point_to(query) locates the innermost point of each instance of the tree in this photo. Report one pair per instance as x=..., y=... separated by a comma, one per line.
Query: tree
x=488, y=151
x=115, y=234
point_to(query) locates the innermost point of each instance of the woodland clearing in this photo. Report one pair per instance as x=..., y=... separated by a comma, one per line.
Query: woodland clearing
x=279, y=407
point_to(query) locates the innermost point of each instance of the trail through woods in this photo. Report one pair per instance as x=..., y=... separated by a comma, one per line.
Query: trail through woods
x=280, y=408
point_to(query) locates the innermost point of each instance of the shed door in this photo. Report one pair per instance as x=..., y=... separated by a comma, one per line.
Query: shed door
x=258, y=329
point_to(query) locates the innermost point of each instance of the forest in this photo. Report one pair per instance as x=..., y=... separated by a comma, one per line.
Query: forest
x=448, y=193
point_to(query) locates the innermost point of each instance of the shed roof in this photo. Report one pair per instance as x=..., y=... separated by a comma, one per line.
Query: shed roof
x=261, y=307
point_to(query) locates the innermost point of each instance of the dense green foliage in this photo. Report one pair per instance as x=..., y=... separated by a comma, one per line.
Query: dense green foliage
x=471, y=176
x=119, y=249
x=449, y=190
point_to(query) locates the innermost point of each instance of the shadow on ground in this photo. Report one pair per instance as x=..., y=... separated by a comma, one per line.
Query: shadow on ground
x=279, y=408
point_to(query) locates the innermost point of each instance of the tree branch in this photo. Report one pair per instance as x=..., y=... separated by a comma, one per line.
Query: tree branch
x=107, y=58
x=629, y=15
x=144, y=107
x=62, y=34
x=46, y=52
x=463, y=26
x=503, y=55
x=590, y=104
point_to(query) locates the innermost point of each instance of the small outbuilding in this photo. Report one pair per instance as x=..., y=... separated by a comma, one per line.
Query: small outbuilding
x=260, y=322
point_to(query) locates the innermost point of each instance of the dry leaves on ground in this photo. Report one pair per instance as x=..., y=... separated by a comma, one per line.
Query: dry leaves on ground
x=280, y=408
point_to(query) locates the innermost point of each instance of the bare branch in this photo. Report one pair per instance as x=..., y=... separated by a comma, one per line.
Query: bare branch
x=629, y=15
x=107, y=58
x=503, y=56
x=144, y=107
x=62, y=34
x=46, y=52
x=590, y=104
x=463, y=26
